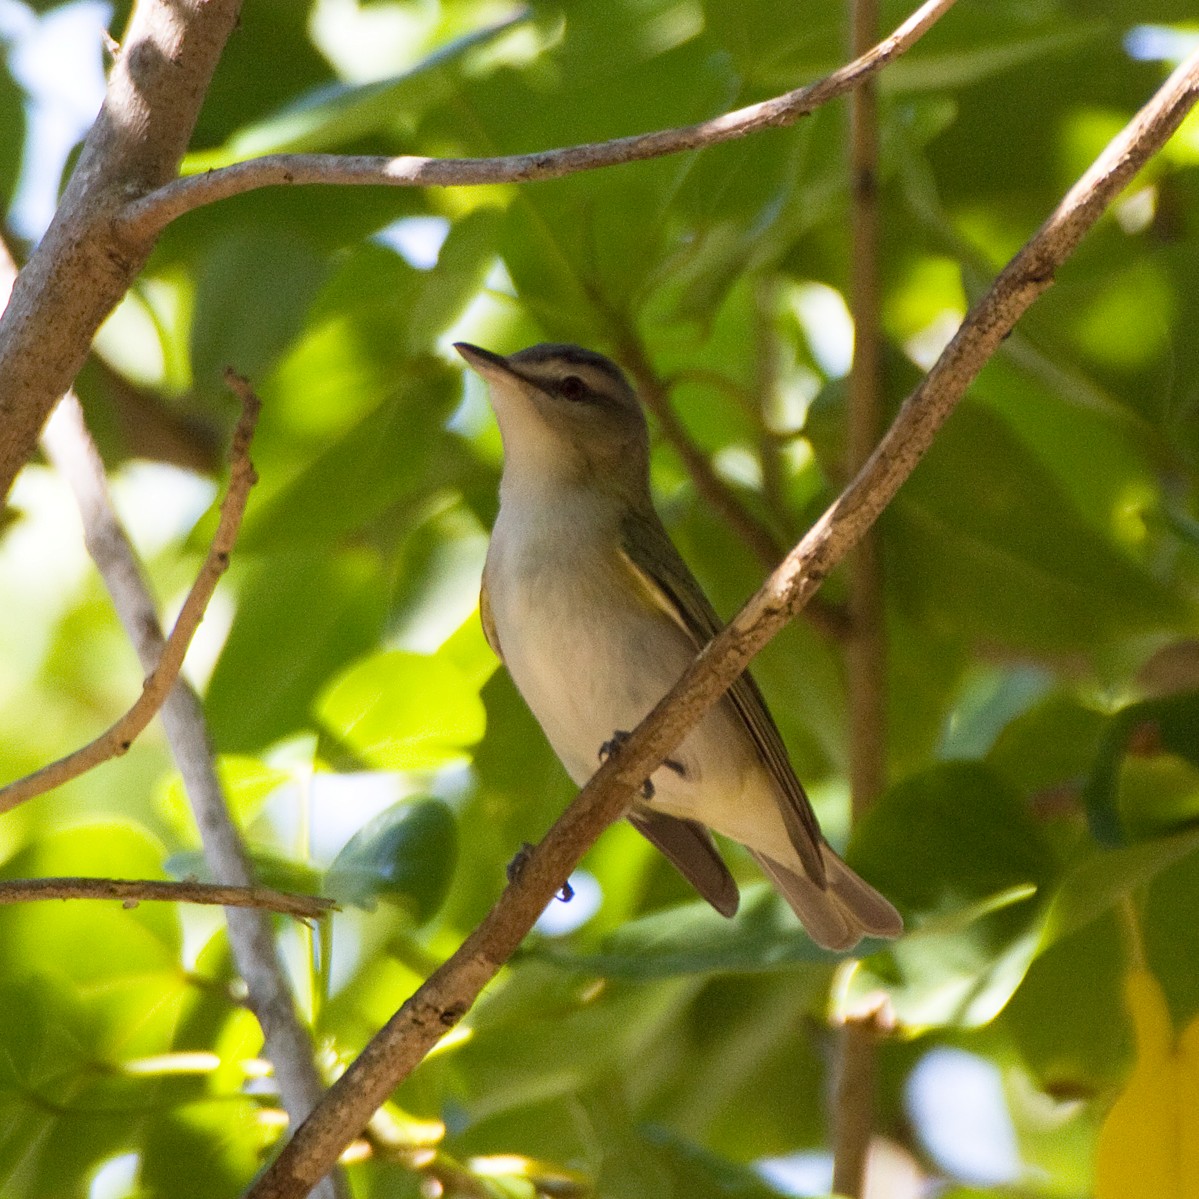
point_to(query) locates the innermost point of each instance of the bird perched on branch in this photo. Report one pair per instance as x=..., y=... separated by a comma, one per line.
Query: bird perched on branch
x=596, y=616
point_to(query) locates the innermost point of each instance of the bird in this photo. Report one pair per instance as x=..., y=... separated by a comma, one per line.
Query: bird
x=593, y=611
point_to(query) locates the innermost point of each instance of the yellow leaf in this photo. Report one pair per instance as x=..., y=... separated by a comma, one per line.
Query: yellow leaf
x=1149, y=1144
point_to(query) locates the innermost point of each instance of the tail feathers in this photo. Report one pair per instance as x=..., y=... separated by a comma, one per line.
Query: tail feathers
x=839, y=915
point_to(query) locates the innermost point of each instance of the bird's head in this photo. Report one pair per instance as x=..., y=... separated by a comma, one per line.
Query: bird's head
x=567, y=415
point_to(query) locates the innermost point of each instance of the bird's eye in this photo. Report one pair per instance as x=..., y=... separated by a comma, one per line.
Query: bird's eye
x=572, y=388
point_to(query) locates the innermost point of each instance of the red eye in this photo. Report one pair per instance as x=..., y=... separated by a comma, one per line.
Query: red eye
x=572, y=388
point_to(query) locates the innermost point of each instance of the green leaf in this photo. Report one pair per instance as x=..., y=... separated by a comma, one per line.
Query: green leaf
x=300, y=617
x=398, y=454
x=1128, y=793
x=1075, y=1046
x=981, y=541
x=693, y=939
x=12, y=135
x=971, y=857
x=467, y=254
x=700, y=1174
x=335, y=115
x=245, y=781
x=1108, y=876
x=251, y=299
x=405, y=855
x=270, y=870
x=966, y=836
x=402, y=711
x=1051, y=745
x=91, y=942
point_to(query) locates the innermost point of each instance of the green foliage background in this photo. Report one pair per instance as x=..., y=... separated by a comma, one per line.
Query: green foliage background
x=1042, y=579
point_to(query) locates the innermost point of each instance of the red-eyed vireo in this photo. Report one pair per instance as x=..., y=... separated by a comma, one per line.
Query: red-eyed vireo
x=588, y=604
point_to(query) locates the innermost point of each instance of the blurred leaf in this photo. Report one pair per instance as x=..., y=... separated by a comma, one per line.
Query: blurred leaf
x=12, y=136
x=1134, y=751
x=89, y=942
x=981, y=541
x=250, y=301
x=1050, y=745
x=1171, y=936
x=338, y=114
x=1067, y=1018
x=270, y=870
x=966, y=837
x=403, y=711
x=694, y=939
x=1103, y=878
x=404, y=855
x=246, y=783
x=300, y=617
x=396, y=454
x=971, y=857
x=465, y=258
x=1149, y=1143
x=695, y=1172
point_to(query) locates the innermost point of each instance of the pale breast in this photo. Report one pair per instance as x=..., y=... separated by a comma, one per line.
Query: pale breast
x=591, y=654
x=586, y=651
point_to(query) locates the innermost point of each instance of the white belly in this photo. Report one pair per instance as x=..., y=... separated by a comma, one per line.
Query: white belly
x=590, y=656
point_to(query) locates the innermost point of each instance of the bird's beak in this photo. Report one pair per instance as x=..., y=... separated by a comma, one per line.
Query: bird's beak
x=488, y=364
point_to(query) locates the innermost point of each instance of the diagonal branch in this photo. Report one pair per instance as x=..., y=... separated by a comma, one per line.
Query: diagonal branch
x=146, y=217
x=157, y=687
x=132, y=891
x=447, y=995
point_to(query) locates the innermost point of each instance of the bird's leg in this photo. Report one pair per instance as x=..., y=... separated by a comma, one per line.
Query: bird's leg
x=618, y=738
x=517, y=865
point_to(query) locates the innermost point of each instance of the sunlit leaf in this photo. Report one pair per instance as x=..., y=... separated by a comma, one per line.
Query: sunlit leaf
x=403, y=711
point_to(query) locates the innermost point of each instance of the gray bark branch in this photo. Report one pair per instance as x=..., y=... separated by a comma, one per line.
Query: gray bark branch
x=287, y=1043
x=87, y=259
x=149, y=215
x=132, y=891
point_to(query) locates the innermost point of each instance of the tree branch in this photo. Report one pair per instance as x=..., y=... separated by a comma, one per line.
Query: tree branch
x=134, y=891
x=866, y=645
x=146, y=217
x=121, y=735
x=288, y=1045
x=448, y=994
x=86, y=260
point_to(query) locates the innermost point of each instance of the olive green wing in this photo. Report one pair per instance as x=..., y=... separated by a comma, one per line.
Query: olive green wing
x=667, y=580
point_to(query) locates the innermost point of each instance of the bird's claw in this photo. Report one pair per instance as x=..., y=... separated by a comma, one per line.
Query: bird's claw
x=516, y=867
x=618, y=738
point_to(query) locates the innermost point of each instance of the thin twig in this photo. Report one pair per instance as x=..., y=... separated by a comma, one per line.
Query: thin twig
x=132, y=891
x=441, y=1002
x=866, y=645
x=148, y=215
x=157, y=686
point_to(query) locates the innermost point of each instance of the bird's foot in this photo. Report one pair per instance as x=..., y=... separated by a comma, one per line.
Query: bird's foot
x=516, y=868
x=618, y=738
